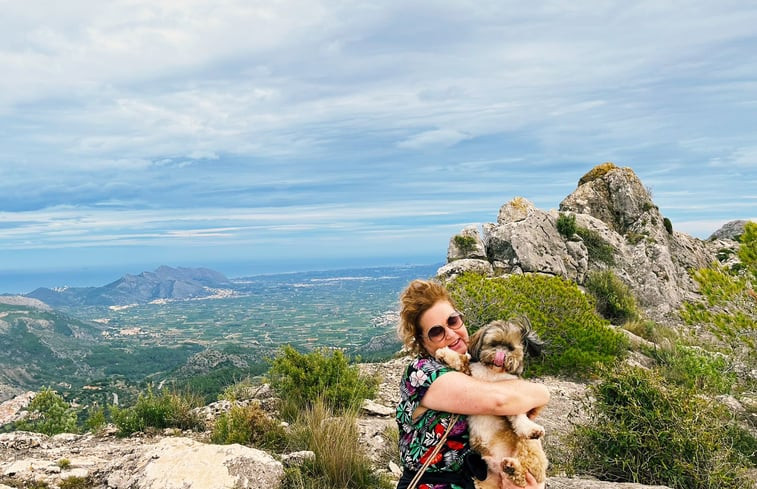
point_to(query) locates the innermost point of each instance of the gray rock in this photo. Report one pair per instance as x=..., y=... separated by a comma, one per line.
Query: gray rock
x=730, y=230
x=475, y=251
x=612, y=203
x=575, y=483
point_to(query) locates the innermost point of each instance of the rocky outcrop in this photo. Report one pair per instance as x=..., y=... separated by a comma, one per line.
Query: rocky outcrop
x=612, y=207
x=730, y=230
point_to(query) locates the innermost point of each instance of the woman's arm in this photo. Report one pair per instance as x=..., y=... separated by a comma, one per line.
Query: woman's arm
x=455, y=392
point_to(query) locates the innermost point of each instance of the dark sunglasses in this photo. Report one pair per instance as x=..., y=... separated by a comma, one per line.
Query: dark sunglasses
x=438, y=333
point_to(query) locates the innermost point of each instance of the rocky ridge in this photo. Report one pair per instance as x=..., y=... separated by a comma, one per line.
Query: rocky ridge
x=647, y=253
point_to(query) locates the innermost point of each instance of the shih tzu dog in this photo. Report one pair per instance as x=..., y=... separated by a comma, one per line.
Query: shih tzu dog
x=510, y=445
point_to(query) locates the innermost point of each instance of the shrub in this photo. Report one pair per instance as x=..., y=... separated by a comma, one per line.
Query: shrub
x=578, y=340
x=75, y=482
x=614, y=299
x=340, y=458
x=249, y=425
x=728, y=310
x=598, y=249
x=49, y=414
x=566, y=225
x=597, y=172
x=646, y=431
x=695, y=368
x=96, y=419
x=668, y=225
x=301, y=379
x=748, y=249
x=465, y=244
x=167, y=410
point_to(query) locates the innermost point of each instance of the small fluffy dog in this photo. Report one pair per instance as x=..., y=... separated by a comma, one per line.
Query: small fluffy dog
x=510, y=445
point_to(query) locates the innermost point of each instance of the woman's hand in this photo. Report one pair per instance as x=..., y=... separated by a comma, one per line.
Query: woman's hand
x=530, y=483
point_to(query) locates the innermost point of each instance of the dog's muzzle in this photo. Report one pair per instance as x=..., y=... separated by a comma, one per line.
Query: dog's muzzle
x=499, y=358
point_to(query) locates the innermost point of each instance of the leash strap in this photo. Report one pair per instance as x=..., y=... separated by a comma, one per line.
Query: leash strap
x=417, y=478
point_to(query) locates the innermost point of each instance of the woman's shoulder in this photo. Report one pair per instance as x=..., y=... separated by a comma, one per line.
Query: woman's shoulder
x=427, y=365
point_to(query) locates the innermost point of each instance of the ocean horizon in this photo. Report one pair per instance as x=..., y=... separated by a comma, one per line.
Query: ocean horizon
x=19, y=282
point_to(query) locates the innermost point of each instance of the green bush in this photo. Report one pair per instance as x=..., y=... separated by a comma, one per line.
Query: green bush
x=249, y=425
x=598, y=249
x=566, y=225
x=748, y=249
x=728, y=310
x=340, y=457
x=75, y=482
x=668, y=225
x=96, y=419
x=577, y=339
x=465, y=244
x=49, y=414
x=644, y=430
x=614, y=299
x=696, y=368
x=151, y=411
x=302, y=378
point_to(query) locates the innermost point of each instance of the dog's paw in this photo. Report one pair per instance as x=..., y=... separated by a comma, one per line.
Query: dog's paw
x=514, y=471
x=536, y=433
x=453, y=359
x=525, y=428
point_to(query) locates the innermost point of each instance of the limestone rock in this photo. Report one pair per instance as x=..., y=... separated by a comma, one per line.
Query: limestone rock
x=467, y=244
x=15, y=409
x=181, y=463
x=458, y=267
x=575, y=483
x=613, y=205
x=730, y=230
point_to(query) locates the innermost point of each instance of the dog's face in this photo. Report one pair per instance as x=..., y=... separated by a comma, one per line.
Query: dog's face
x=504, y=344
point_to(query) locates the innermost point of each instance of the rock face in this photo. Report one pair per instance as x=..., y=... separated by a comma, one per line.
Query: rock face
x=730, y=230
x=612, y=206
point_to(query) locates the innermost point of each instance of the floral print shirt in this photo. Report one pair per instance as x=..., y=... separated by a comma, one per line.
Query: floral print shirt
x=419, y=437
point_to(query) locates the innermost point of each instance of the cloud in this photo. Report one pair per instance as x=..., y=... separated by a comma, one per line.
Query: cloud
x=436, y=138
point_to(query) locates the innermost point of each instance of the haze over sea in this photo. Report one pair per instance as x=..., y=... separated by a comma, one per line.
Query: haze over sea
x=24, y=281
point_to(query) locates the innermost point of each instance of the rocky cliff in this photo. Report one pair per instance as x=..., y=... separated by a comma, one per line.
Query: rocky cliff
x=610, y=206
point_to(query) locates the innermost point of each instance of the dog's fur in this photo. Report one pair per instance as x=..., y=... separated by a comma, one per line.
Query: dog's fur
x=510, y=445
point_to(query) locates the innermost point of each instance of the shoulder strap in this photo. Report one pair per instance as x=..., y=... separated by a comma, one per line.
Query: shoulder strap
x=452, y=422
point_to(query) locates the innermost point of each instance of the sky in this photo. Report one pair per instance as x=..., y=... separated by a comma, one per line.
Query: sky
x=260, y=136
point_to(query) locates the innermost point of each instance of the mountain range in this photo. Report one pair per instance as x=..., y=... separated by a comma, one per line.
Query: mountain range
x=164, y=283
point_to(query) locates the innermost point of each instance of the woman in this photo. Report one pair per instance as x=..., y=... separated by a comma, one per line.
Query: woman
x=431, y=392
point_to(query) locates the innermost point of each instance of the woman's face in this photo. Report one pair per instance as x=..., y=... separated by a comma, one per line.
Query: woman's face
x=441, y=325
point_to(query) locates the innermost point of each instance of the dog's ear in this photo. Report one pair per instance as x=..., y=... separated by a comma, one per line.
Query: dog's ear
x=533, y=345
x=475, y=343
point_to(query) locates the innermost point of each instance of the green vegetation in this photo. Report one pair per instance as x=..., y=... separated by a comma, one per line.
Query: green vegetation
x=646, y=430
x=748, y=249
x=466, y=244
x=50, y=414
x=696, y=368
x=75, y=482
x=614, y=299
x=597, y=172
x=166, y=410
x=302, y=379
x=320, y=430
x=668, y=225
x=96, y=419
x=578, y=340
x=566, y=225
x=64, y=464
x=729, y=307
x=249, y=425
x=599, y=249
